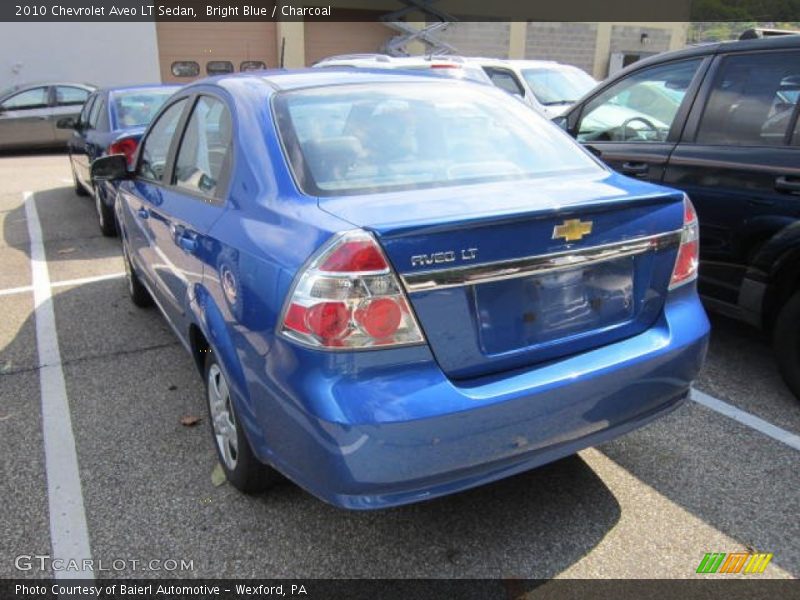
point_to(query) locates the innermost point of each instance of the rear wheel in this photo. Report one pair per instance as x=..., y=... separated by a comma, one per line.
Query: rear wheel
x=786, y=342
x=139, y=294
x=242, y=469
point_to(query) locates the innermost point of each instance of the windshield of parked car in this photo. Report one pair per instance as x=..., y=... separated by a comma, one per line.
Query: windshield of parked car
x=137, y=108
x=558, y=86
x=360, y=139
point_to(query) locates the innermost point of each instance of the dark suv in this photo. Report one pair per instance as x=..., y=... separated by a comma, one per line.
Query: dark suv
x=721, y=123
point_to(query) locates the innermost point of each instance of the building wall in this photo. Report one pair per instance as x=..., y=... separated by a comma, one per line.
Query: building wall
x=628, y=38
x=570, y=43
x=202, y=42
x=470, y=38
x=327, y=39
x=86, y=52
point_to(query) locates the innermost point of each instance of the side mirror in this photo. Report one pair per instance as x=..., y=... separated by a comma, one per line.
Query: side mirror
x=108, y=168
x=67, y=123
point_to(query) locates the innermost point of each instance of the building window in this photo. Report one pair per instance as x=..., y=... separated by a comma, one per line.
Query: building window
x=185, y=68
x=218, y=67
x=252, y=65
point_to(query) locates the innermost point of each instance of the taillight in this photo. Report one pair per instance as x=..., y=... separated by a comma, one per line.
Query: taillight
x=127, y=147
x=685, y=269
x=349, y=297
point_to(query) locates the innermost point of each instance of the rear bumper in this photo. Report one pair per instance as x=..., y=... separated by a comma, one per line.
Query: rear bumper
x=361, y=434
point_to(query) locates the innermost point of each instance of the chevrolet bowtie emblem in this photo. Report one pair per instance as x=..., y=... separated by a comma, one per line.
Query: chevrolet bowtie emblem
x=572, y=230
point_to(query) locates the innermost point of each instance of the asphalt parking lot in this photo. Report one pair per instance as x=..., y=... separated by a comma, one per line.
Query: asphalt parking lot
x=650, y=504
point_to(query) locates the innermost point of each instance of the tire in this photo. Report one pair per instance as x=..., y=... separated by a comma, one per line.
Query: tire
x=105, y=214
x=242, y=469
x=138, y=293
x=78, y=186
x=786, y=343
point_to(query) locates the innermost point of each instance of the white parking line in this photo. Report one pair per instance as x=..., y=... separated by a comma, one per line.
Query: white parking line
x=65, y=283
x=745, y=418
x=69, y=534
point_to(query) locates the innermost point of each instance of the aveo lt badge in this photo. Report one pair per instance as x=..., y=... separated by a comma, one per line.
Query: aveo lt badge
x=572, y=230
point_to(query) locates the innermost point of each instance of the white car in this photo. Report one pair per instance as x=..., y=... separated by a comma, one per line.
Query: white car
x=446, y=66
x=547, y=86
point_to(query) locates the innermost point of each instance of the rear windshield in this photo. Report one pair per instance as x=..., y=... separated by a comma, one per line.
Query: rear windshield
x=137, y=108
x=389, y=136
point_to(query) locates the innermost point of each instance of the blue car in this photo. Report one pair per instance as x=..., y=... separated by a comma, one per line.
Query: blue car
x=398, y=286
x=108, y=114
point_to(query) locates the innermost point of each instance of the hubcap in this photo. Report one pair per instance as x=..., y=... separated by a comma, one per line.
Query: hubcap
x=222, y=417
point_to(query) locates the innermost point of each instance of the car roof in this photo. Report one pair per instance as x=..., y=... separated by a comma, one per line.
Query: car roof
x=14, y=88
x=281, y=79
x=770, y=43
x=142, y=87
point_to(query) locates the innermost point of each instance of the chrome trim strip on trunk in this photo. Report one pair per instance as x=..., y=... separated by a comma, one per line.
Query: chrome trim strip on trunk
x=532, y=265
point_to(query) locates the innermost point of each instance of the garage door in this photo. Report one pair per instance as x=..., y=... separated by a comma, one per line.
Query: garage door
x=326, y=39
x=197, y=49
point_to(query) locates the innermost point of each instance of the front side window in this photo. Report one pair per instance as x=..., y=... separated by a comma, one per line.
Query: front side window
x=505, y=80
x=752, y=100
x=362, y=139
x=27, y=100
x=640, y=107
x=204, y=148
x=94, y=116
x=67, y=95
x=155, y=150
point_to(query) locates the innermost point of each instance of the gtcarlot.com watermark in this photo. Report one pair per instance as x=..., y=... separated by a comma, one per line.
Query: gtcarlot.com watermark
x=45, y=562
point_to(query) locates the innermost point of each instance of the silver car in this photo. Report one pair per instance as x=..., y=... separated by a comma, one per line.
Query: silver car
x=28, y=113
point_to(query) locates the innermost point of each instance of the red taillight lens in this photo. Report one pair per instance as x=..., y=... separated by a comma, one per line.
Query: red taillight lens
x=328, y=320
x=686, y=263
x=380, y=318
x=348, y=297
x=127, y=147
x=354, y=256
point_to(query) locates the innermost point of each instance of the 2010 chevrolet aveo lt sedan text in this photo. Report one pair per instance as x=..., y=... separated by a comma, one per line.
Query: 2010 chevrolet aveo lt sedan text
x=398, y=286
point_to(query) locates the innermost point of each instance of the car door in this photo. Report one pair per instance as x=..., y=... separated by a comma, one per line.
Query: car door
x=191, y=204
x=68, y=102
x=739, y=162
x=634, y=123
x=85, y=147
x=25, y=119
x=137, y=197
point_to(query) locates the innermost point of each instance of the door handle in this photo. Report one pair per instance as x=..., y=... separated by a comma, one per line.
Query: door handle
x=143, y=212
x=635, y=168
x=786, y=184
x=188, y=242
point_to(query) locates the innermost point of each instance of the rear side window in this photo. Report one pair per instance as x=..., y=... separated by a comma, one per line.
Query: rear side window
x=87, y=108
x=155, y=150
x=205, y=148
x=98, y=108
x=362, y=139
x=67, y=95
x=752, y=100
x=27, y=100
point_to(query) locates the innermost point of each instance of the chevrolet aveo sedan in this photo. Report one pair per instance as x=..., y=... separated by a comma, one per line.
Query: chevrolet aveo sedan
x=398, y=286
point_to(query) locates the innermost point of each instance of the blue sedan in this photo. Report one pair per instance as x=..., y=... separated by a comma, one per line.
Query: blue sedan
x=108, y=114
x=398, y=287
